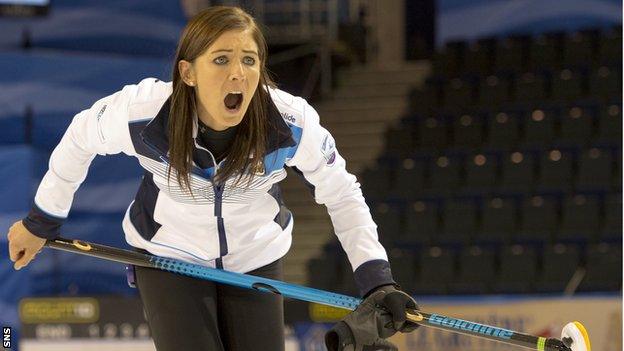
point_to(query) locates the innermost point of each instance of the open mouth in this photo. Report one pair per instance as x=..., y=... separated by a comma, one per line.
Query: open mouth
x=233, y=101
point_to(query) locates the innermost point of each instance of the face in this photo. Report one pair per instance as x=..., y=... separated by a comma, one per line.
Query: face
x=225, y=78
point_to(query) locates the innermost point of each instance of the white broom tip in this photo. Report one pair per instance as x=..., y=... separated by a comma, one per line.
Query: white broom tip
x=575, y=336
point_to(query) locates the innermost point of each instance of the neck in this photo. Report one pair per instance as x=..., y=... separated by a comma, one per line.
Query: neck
x=206, y=119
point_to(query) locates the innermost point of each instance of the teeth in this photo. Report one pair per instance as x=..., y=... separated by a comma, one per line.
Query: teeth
x=236, y=92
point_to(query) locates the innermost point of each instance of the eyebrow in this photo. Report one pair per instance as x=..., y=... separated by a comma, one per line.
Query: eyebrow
x=245, y=51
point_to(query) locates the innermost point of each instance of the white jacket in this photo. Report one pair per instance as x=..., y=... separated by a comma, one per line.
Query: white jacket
x=231, y=227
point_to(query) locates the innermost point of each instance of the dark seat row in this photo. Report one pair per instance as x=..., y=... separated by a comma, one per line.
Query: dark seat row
x=552, y=171
x=500, y=220
x=603, y=83
x=593, y=46
x=530, y=128
x=513, y=269
x=478, y=270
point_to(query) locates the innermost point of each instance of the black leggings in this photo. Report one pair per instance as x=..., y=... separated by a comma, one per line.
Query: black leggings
x=184, y=313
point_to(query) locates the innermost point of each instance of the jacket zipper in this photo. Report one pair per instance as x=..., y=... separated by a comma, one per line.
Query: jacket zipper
x=218, y=205
x=218, y=209
x=223, y=249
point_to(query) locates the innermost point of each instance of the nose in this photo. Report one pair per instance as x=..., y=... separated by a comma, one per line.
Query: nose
x=238, y=72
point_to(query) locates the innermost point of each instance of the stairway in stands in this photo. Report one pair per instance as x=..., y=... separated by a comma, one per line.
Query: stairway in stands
x=357, y=114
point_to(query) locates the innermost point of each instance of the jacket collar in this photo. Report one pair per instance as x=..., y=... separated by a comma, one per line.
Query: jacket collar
x=156, y=136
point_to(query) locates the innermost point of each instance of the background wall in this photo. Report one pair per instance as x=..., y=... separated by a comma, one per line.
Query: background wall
x=471, y=19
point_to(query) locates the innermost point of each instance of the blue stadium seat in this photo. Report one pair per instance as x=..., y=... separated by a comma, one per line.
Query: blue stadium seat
x=538, y=220
x=479, y=56
x=512, y=53
x=610, y=125
x=445, y=176
x=477, y=271
x=605, y=83
x=56, y=87
x=14, y=285
x=459, y=222
x=87, y=76
x=129, y=28
x=104, y=191
x=421, y=223
x=68, y=273
x=459, y=93
x=450, y=60
x=577, y=126
x=556, y=171
x=388, y=217
x=546, y=50
x=531, y=87
x=612, y=226
x=518, y=270
x=14, y=127
x=432, y=133
x=503, y=131
x=17, y=194
x=481, y=174
x=436, y=271
x=427, y=99
x=400, y=140
x=410, y=179
x=579, y=48
x=499, y=221
x=376, y=181
x=559, y=263
x=568, y=85
x=610, y=46
x=518, y=173
x=539, y=128
x=617, y=178
x=580, y=220
x=495, y=90
x=467, y=131
x=403, y=266
x=603, y=268
x=595, y=170
x=18, y=164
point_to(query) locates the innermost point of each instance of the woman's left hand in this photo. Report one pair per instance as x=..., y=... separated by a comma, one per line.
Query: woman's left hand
x=380, y=315
x=396, y=303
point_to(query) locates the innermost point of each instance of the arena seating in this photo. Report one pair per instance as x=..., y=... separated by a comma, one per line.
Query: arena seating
x=509, y=165
x=137, y=28
x=603, y=268
x=28, y=133
x=476, y=271
x=559, y=265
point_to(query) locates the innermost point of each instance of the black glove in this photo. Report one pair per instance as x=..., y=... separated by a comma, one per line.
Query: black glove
x=396, y=302
x=361, y=329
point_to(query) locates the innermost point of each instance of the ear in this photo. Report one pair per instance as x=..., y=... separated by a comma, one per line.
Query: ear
x=187, y=73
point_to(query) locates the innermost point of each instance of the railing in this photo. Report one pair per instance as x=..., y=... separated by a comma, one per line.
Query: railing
x=295, y=21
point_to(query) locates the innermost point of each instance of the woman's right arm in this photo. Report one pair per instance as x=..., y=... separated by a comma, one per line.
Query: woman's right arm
x=102, y=129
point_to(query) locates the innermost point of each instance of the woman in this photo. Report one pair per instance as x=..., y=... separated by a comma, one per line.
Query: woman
x=214, y=144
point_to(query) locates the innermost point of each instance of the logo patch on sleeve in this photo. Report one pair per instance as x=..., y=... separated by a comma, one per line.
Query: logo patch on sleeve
x=99, y=115
x=328, y=149
x=288, y=117
x=99, y=126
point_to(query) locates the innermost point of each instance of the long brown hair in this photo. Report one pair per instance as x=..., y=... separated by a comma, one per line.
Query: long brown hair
x=248, y=147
